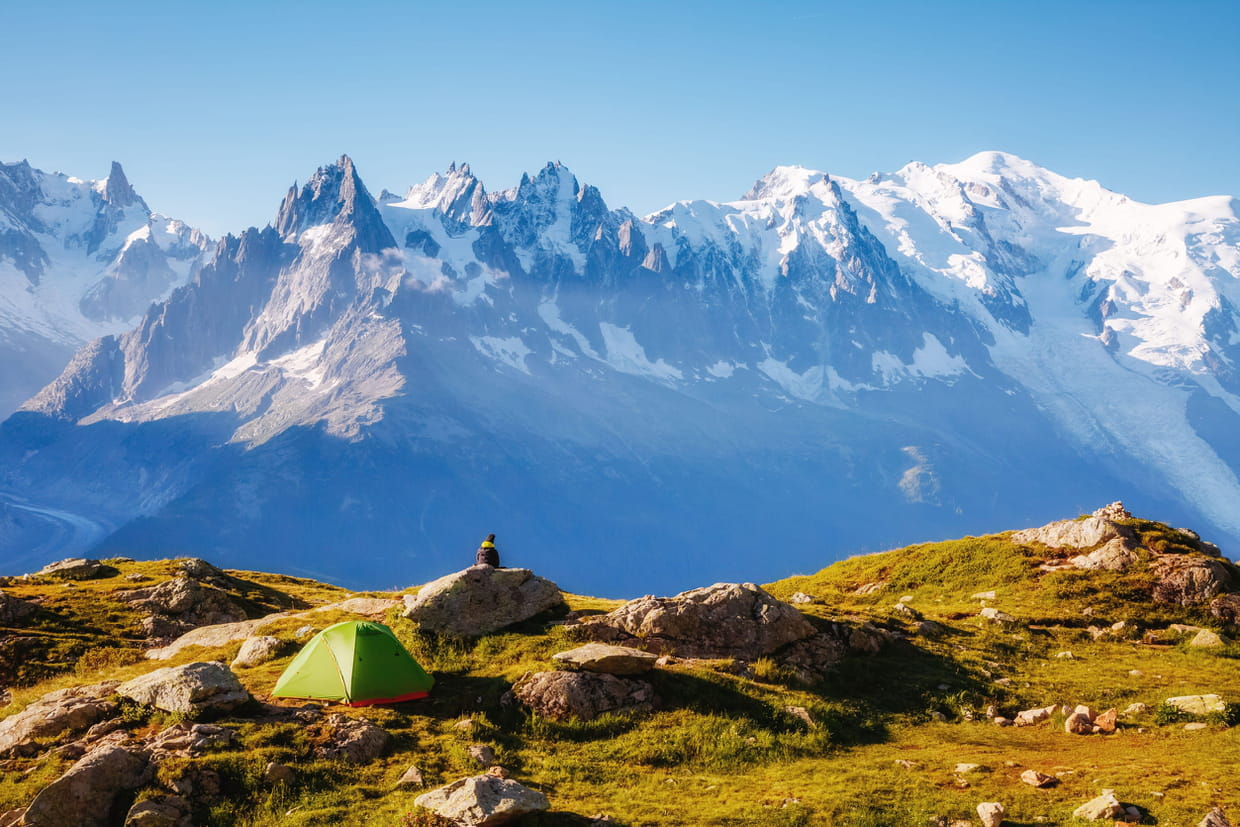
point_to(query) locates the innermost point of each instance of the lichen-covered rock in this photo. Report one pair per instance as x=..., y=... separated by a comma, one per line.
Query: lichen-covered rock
x=483, y=801
x=613, y=660
x=85, y=794
x=355, y=740
x=189, y=740
x=65, y=710
x=480, y=600
x=583, y=695
x=258, y=650
x=726, y=620
x=192, y=688
x=1189, y=579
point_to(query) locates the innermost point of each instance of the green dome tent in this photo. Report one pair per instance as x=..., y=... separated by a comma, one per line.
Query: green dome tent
x=357, y=663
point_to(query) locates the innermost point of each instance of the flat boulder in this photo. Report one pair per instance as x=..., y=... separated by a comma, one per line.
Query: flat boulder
x=219, y=634
x=483, y=801
x=562, y=696
x=480, y=600
x=65, y=710
x=84, y=796
x=1197, y=704
x=74, y=568
x=192, y=688
x=726, y=620
x=602, y=657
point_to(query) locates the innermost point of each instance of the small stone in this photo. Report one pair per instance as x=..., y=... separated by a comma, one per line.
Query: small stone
x=1197, y=704
x=937, y=716
x=412, y=778
x=999, y=720
x=483, y=801
x=800, y=598
x=1032, y=717
x=1137, y=708
x=1104, y=806
x=1206, y=639
x=1037, y=779
x=1195, y=727
x=991, y=613
x=983, y=596
x=1065, y=655
x=962, y=769
x=1106, y=721
x=276, y=773
x=497, y=771
x=483, y=754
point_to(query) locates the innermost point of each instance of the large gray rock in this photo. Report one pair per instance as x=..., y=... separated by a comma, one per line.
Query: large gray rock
x=1189, y=579
x=1086, y=533
x=210, y=636
x=84, y=795
x=258, y=650
x=65, y=710
x=584, y=695
x=737, y=620
x=1114, y=555
x=73, y=568
x=190, y=689
x=483, y=801
x=613, y=660
x=355, y=740
x=14, y=609
x=480, y=600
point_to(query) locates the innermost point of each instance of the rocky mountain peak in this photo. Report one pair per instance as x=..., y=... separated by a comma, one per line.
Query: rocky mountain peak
x=117, y=190
x=784, y=182
x=335, y=194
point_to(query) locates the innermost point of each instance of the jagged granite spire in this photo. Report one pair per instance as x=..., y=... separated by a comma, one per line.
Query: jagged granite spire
x=117, y=189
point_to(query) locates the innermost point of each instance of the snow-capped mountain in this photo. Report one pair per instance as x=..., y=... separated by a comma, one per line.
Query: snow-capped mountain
x=78, y=260
x=820, y=367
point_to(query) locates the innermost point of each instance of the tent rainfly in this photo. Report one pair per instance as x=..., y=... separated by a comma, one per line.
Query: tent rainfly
x=357, y=663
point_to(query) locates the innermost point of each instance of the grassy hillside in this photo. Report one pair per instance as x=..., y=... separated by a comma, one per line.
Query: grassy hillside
x=722, y=747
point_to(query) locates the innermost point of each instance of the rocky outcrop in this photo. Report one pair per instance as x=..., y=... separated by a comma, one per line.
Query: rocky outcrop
x=85, y=794
x=1188, y=579
x=63, y=711
x=354, y=740
x=480, y=600
x=258, y=650
x=726, y=620
x=191, y=689
x=74, y=568
x=1215, y=818
x=183, y=603
x=1068, y=534
x=483, y=801
x=189, y=740
x=613, y=660
x=563, y=696
x=14, y=609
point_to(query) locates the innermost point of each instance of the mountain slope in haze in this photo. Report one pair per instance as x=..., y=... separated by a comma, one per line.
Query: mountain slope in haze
x=78, y=259
x=371, y=382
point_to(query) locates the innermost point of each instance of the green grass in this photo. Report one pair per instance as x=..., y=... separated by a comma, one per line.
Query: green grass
x=721, y=748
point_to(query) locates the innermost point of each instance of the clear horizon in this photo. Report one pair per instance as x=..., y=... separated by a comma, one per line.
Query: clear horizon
x=213, y=117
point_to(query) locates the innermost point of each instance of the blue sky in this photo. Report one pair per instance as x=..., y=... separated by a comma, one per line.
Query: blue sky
x=215, y=108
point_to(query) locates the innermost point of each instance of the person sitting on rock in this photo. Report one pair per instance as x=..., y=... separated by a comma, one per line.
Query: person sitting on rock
x=488, y=554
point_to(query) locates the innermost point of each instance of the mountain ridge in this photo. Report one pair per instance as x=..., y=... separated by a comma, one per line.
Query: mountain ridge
x=906, y=333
